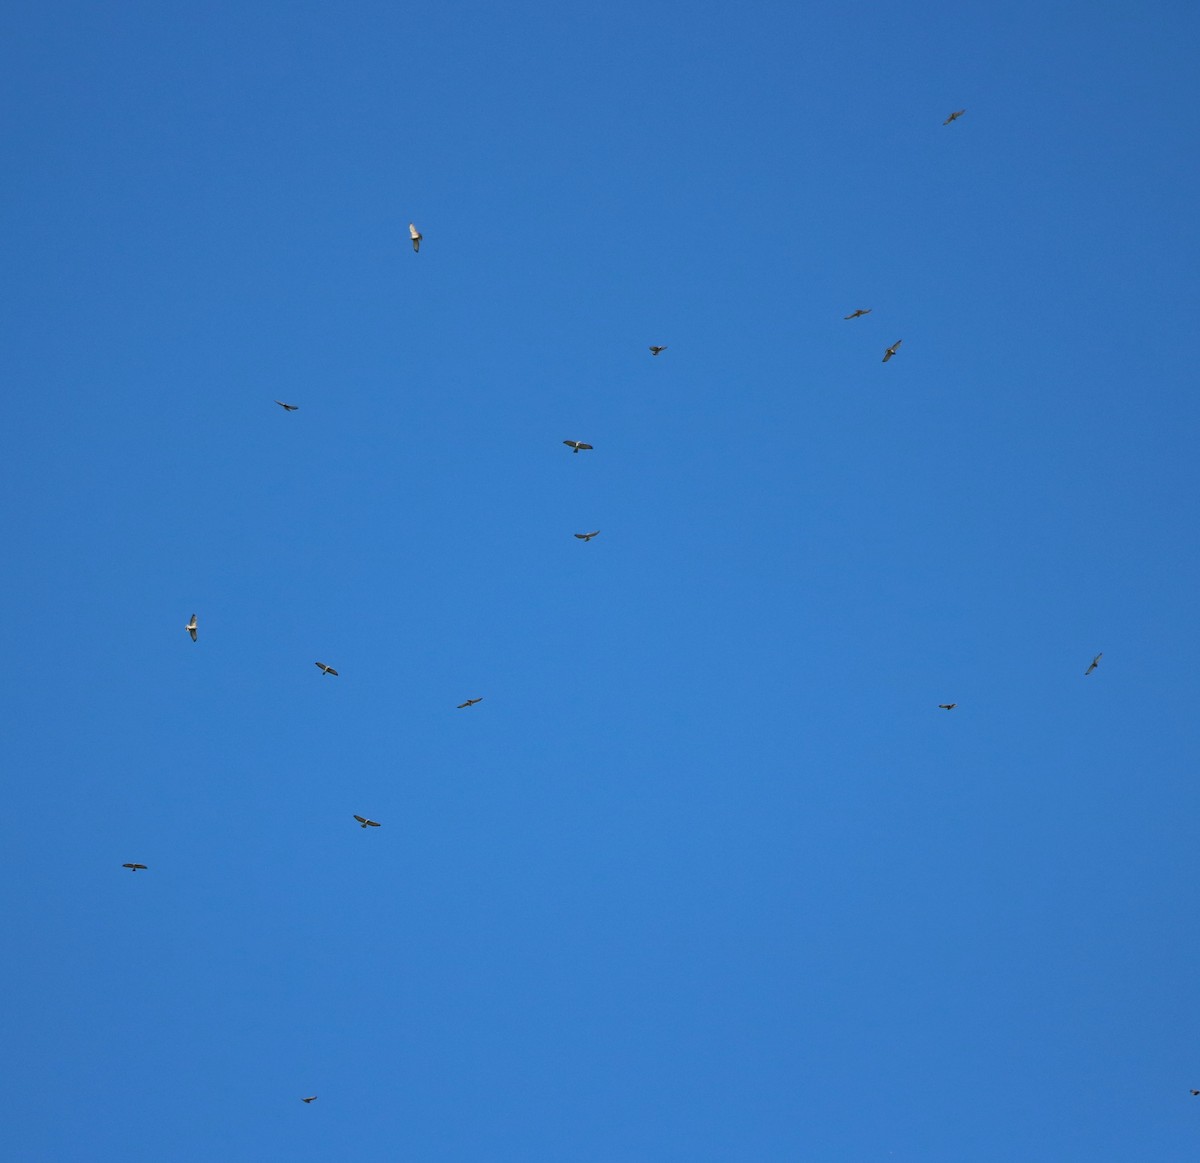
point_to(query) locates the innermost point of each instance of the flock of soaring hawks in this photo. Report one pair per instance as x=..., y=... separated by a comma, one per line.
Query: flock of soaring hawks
x=576, y=446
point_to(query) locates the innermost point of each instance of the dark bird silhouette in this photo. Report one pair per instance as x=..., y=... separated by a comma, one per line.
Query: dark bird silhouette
x=470, y=702
x=134, y=867
x=655, y=350
x=368, y=823
x=416, y=237
x=587, y=536
x=860, y=311
x=947, y=706
x=954, y=116
x=1095, y=663
x=311, y=1098
x=327, y=669
x=1195, y=1092
x=288, y=407
x=577, y=446
x=891, y=350
x=191, y=627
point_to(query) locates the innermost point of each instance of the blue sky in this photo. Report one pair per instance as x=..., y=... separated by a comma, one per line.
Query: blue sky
x=707, y=875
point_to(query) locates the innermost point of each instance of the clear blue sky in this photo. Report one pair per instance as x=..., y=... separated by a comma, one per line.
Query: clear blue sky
x=707, y=875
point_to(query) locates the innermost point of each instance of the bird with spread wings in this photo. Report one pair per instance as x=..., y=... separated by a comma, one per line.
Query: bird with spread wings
x=1095, y=663
x=861, y=311
x=891, y=350
x=470, y=702
x=191, y=627
x=416, y=236
x=577, y=446
x=327, y=669
x=368, y=823
x=954, y=116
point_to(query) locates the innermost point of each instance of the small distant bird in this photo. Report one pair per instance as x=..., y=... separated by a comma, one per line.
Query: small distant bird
x=191, y=627
x=655, y=350
x=416, y=237
x=311, y=1098
x=587, y=536
x=947, y=706
x=860, y=311
x=134, y=867
x=470, y=702
x=327, y=669
x=577, y=446
x=368, y=823
x=1195, y=1092
x=288, y=407
x=1095, y=663
x=954, y=116
x=891, y=350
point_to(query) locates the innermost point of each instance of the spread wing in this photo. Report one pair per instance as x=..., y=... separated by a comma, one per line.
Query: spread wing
x=361, y=819
x=374, y=824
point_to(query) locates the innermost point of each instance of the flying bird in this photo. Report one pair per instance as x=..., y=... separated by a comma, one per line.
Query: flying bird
x=947, y=706
x=860, y=311
x=191, y=627
x=1195, y=1092
x=587, y=536
x=288, y=407
x=416, y=237
x=891, y=350
x=470, y=702
x=134, y=867
x=577, y=446
x=954, y=116
x=327, y=669
x=1095, y=663
x=655, y=350
x=368, y=823
x=311, y=1098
